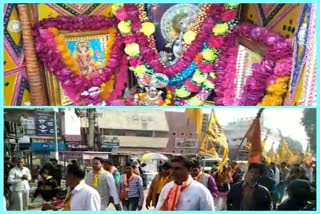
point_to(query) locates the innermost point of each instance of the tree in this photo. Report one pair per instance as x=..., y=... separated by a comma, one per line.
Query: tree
x=309, y=122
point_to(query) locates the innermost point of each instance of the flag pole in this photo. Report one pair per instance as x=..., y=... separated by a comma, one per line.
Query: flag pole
x=245, y=136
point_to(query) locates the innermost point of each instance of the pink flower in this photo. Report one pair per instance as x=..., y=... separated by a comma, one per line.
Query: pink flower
x=205, y=67
x=135, y=61
x=191, y=87
x=228, y=15
x=129, y=39
x=283, y=67
x=121, y=14
x=228, y=100
x=215, y=41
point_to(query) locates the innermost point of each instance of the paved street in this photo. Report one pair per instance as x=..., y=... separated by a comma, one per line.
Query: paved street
x=110, y=208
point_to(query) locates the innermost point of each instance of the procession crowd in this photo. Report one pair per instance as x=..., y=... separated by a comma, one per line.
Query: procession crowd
x=180, y=184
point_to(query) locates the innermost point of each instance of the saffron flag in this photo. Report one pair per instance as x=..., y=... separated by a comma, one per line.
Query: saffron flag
x=195, y=115
x=271, y=154
x=285, y=152
x=215, y=135
x=254, y=138
x=263, y=144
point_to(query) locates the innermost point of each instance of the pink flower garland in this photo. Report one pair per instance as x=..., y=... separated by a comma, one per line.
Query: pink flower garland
x=121, y=80
x=226, y=73
x=72, y=84
x=278, y=48
x=152, y=58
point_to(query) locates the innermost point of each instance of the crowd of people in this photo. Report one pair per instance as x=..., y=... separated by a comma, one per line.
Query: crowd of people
x=180, y=184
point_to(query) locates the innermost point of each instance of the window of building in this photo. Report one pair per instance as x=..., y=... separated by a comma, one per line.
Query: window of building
x=144, y=133
x=118, y=133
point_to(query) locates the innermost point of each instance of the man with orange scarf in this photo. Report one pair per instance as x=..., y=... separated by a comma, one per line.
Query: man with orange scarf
x=131, y=190
x=204, y=178
x=184, y=193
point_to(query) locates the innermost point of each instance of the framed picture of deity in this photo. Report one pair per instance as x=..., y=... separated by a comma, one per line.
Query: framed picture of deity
x=88, y=49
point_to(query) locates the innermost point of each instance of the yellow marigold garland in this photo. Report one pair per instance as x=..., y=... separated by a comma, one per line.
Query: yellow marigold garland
x=70, y=62
x=275, y=92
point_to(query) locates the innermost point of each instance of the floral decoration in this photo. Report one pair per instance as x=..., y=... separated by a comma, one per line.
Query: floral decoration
x=51, y=49
x=261, y=85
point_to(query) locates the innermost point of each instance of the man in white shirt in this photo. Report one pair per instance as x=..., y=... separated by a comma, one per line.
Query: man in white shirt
x=184, y=193
x=104, y=183
x=81, y=196
x=19, y=178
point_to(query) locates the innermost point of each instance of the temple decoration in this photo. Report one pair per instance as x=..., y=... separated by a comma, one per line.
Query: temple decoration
x=171, y=54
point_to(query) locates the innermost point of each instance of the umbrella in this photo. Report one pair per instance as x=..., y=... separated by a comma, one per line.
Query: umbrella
x=153, y=156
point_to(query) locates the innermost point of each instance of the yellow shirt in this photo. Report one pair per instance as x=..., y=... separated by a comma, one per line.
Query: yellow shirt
x=163, y=181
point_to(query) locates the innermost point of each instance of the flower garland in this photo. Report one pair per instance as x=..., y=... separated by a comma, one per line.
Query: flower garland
x=196, y=66
x=263, y=76
x=137, y=34
x=212, y=59
x=226, y=73
x=278, y=83
x=51, y=49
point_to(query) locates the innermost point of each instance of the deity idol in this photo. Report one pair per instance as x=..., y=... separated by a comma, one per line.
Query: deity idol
x=84, y=58
x=151, y=98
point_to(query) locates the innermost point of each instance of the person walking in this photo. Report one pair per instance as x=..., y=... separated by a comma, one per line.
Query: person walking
x=184, y=193
x=204, y=178
x=249, y=195
x=157, y=184
x=103, y=182
x=80, y=196
x=131, y=189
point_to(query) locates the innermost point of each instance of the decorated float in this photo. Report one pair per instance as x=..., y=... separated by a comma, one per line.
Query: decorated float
x=160, y=54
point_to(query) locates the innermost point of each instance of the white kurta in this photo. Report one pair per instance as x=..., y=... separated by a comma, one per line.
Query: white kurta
x=195, y=197
x=106, y=188
x=20, y=188
x=84, y=198
x=18, y=184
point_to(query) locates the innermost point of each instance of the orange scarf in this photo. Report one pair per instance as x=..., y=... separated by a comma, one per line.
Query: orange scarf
x=125, y=188
x=67, y=202
x=170, y=203
x=197, y=178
